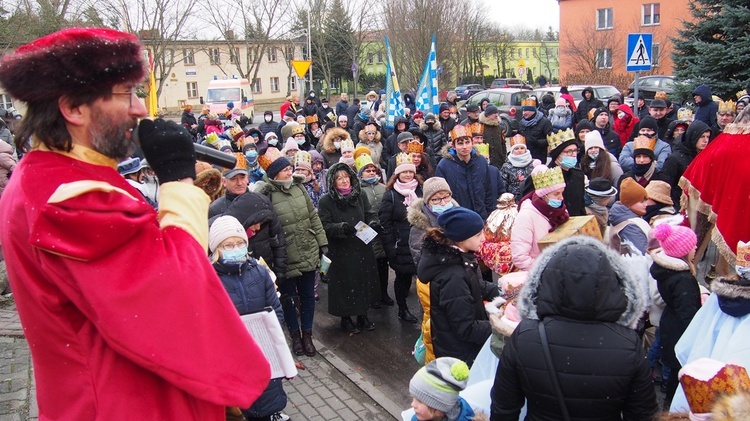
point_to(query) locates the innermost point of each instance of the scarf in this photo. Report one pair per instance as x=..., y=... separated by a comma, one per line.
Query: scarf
x=556, y=217
x=533, y=121
x=345, y=192
x=407, y=190
x=520, y=161
x=644, y=178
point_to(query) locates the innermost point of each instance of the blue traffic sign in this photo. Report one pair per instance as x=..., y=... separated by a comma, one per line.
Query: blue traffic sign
x=638, y=58
x=354, y=67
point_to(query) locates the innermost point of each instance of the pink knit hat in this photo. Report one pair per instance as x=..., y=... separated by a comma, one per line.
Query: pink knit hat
x=675, y=240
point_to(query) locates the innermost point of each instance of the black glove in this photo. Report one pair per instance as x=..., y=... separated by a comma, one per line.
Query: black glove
x=374, y=225
x=348, y=230
x=168, y=148
x=324, y=250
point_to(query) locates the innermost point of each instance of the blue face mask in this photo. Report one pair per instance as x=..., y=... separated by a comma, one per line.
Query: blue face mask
x=300, y=142
x=569, y=161
x=555, y=203
x=371, y=180
x=439, y=209
x=273, y=141
x=593, y=156
x=251, y=154
x=234, y=255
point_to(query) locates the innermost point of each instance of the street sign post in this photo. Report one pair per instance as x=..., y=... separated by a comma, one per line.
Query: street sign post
x=521, y=71
x=638, y=59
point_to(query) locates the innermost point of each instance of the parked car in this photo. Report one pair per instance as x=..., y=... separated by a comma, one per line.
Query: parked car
x=648, y=86
x=601, y=92
x=507, y=101
x=509, y=83
x=465, y=91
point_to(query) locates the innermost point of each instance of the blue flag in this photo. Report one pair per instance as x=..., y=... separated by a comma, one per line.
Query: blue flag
x=427, y=92
x=392, y=91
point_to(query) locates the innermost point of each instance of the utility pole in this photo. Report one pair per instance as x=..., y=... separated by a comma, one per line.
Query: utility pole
x=309, y=50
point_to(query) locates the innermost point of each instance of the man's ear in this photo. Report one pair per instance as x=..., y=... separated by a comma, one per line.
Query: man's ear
x=73, y=114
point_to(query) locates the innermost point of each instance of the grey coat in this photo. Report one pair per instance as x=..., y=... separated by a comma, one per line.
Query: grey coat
x=421, y=219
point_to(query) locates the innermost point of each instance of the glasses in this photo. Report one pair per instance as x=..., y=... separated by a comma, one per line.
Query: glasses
x=372, y=133
x=572, y=152
x=441, y=200
x=232, y=246
x=130, y=94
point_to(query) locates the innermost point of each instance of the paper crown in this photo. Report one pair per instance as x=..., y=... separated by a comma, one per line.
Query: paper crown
x=512, y=284
x=267, y=158
x=743, y=254
x=212, y=139
x=403, y=158
x=303, y=159
x=660, y=95
x=727, y=107
x=236, y=133
x=361, y=150
x=551, y=177
x=684, y=114
x=517, y=139
x=556, y=139
x=528, y=102
x=483, y=149
x=459, y=131
x=347, y=144
x=741, y=93
x=415, y=146
x=476, y=129
x=704, y=380
x=362, y=161
x=297, y=129
x=643, y=142
x=311, y=119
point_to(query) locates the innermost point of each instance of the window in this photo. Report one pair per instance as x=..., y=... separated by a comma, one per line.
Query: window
x=170, y=56
x=651, y=15
x=192, y=89
x=655, y=50
x=289, y=54
x=520, y=54
x=604, y=18
x=256, y=86
x=380, y=57
x=234, y=55
x=272, y=55
x=252, y=54
x=604, y=58
x=292, y=83
x=370, y=58
x=274, y=84
x=512, y=53
x=214, y=56
x=527, y=52
x=533, y=51
x=188, y=56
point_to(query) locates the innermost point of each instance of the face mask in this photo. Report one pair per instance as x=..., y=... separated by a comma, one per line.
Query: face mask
x=273, y=141
x=149, y=179
x=593, y=156
x=300, y=142
x=371, y=180
x=439, y=209
x=251, y=155
x=569, y=162
x=337, y=145
x=268, y=118
x=453, y=116
x=234, y=255
x=620, y=115
x=555, y=203
x=312, y=95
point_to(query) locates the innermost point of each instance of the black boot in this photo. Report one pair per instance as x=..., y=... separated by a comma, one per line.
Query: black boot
x=364, y=323
x=386, y=300
x=307, y=344
x=348, y=325
x=405, y=315
x=297, y=343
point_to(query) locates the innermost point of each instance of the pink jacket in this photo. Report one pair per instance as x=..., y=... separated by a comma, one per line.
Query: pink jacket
x=530, y=227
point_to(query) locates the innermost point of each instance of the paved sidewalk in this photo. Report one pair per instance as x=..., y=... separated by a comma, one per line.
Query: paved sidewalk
x=328, y=390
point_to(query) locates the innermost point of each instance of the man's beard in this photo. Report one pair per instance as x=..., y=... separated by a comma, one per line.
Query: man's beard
x=108, y=135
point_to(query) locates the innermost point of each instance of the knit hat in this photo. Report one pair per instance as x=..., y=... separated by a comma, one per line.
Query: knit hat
x=270, y=135
x=430, y=117
x=547, y=180
x=631, y=192
x=343, y=117
x=404, y=137
x=230, y=105
x=130, y=166
x=361, y=150
x=648, y=122
x=272, y=162
x=303, y=159
x=432, y=186
x=459, y=223
x=444, y=107
x=74, y=62
x=659, y=191
x=361, y=162
x=222, y=228
x=472, y=108
x=316, y=156
x=561, y=101
x=594, y=139
x=347, y=145
x=490, y=110
x=404, y=163
x=598, y=111
x=290, y=145
x=601, y=186
x=437, y=384
x=675, y=240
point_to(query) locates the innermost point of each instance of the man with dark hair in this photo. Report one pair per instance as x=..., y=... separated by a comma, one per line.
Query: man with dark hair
x=121, y=307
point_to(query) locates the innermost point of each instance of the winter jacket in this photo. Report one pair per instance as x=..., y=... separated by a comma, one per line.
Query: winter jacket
x=582, y=112
x=268, y=242
x=529, y=227
x=514, y=178
x=375, y=147
x=535, y=131
x=421, y=218
x=436, y=138
x=573, y=194
x=447, y=125
x=611, y=140
x=679, y=290
x=614, y=168
x=396, y=230
x=267, y=127
x=588, y=312
x=632, y=232
x=7, y=164
x=459, y=321
x=353, y=277
x=661, y=152
x=707, y=108
x=330, y=153
x=341, y=107
x=187, y=120
x=390, y=145
x=469, y=181
x=682, y=155
x=303, y=231
x=493, y=136
x=251, y=289
x=561, y=119
x=624, y=126
x=374, y=193
x=221, y=205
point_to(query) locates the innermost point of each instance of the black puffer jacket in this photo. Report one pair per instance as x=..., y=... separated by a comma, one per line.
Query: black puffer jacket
x=396, y=228
x=682, y=155
x=582, y=112
x=459, y=321
x=588, y=311
x=436, y=138
x=535, y=131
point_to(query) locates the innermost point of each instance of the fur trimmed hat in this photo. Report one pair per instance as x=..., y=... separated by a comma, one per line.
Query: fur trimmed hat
x=73, y=62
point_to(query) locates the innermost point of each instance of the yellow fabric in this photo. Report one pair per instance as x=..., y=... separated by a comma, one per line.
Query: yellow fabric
x=186, y=206
x=81, y=153
x=70, y=190
x=423, y=292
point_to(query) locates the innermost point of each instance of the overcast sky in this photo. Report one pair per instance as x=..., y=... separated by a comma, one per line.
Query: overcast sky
x=525, y=13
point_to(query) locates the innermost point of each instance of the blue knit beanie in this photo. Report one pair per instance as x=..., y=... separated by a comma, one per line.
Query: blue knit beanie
x=459, y=223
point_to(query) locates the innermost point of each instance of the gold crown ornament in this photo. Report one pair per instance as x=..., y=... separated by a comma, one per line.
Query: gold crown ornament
x=311, y=119
x=551, y=177
x=727, y=107
x=237, y=133
x=528, y=102
x=741, y=93
x=303, y=159
x=643, y=142
x=297, y=129
x=476, y=129
x=743, y=254
x=414, y=146
x=482, y=149
x=660, y=95
x=705, y=380
x=684, y=114
x=403, y=158
x=361, y=150
x=517, y=139
x=347, y=144
x=362, y=161
x=556, y=139
x=267, y=158
x=459, y=131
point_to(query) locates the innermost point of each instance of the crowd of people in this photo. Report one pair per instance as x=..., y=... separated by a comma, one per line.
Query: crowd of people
x=336, y=194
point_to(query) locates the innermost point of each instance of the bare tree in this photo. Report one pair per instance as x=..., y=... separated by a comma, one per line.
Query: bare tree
x=502, y=43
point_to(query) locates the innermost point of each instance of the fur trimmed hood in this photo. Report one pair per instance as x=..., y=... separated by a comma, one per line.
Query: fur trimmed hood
x=353, y=180
x=733, y=294
x=486, y=121
x=418, y=218
x=435, y=127
x=668, y=262
x=331, y=134
x=603, y=290
x=363, y=136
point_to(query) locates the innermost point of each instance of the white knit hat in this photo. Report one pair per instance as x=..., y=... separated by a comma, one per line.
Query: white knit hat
x=594, y=139
x=224, y=227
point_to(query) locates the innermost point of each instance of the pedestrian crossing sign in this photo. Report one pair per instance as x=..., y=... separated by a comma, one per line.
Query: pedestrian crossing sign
x=639, y=52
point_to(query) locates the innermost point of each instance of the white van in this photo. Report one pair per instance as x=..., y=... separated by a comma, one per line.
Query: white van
x=221, y=92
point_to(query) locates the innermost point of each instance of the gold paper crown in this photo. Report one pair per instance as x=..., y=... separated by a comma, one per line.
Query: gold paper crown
x=361, y=150
x=414, y=146
x=643, y=142
x=347, y=144
x=528, y=102
x=660, y=95
x=741, y=93
x=403, y=158
x=556, y=139
x=684, y=114
x=297, y=129
x=459, y=131
x=743, y=254
x=551, y=177
x=304, y=159
x=236, y=133
x=311, y=119
x=483, y=149
x=701, y=394
x=727, y=107
x=476, y=129
x=267, y=158
x=515, y=140
x=362, y=161
x=241, y=161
